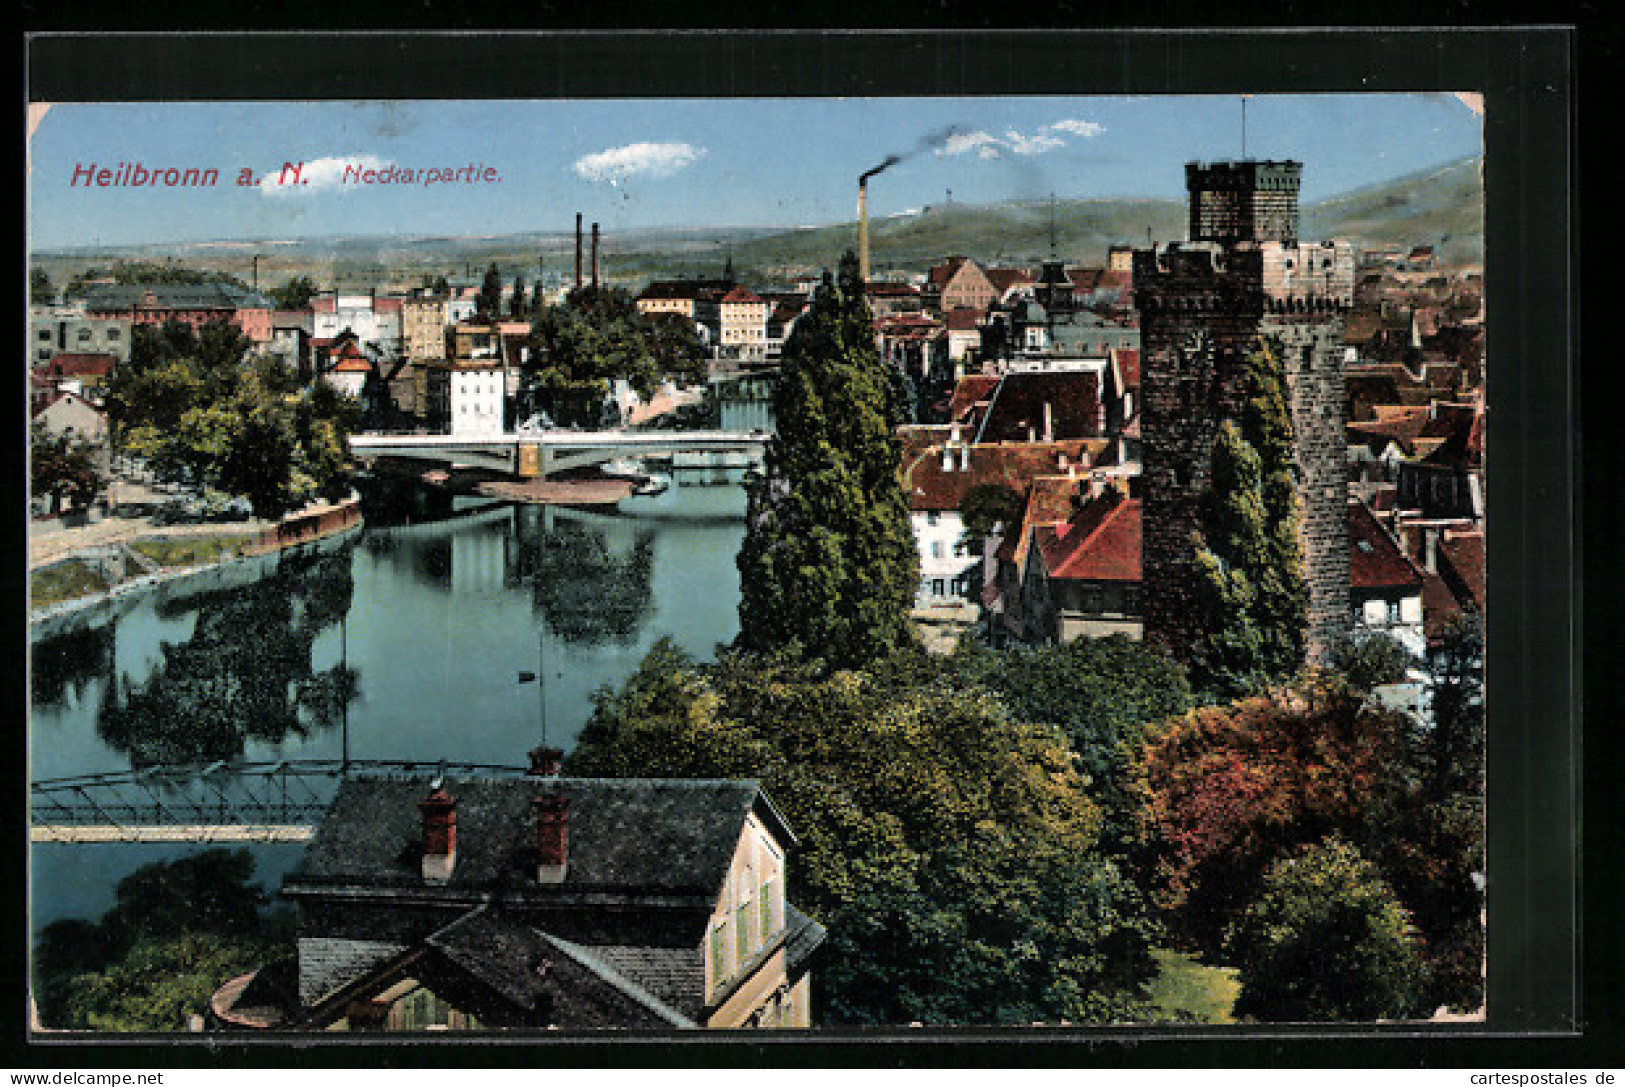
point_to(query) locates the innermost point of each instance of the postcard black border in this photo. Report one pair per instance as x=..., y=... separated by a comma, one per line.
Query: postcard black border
x=1527, y=76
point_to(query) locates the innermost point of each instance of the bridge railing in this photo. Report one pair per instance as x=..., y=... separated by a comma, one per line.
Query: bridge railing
x=292, y=792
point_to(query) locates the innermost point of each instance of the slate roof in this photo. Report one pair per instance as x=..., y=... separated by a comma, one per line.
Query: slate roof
x=219, y=296
x=628, y=838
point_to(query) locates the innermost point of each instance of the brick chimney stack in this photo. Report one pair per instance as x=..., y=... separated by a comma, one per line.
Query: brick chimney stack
x=595, y=256
x=545, y=762
x=439, y=810
x=552, y=837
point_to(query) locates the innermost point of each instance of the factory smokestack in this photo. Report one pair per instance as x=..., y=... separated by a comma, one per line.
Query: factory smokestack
x=863, y=214
x=863, y=228
x=595, y=256
x=578, y=250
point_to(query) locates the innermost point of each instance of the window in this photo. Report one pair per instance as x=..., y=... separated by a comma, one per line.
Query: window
x=743, y=942
x=718, y=957
x=768, y=910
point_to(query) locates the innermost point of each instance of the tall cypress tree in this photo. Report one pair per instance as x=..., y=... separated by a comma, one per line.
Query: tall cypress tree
x=828, y=564
x=1249, y=564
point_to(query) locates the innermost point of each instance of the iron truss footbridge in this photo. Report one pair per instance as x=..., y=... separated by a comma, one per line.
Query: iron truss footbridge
x=221, y=802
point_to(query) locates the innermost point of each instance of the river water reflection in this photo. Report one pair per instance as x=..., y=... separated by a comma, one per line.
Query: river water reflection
x=405, y=641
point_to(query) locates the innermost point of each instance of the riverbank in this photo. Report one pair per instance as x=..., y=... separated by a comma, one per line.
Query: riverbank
x=74, y=569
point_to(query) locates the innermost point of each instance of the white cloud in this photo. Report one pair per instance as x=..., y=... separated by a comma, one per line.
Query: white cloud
x=1036, y=144
x=1086, y=129
x=317, y=175
x=1043, y=139
x=961, y=142
x=655, y=159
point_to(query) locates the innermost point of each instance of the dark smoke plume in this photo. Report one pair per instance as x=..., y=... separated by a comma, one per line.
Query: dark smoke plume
x=929, y=142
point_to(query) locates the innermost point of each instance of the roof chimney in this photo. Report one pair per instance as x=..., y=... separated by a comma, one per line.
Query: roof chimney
x=439, y=810
x=552, y=837
x=545, y=762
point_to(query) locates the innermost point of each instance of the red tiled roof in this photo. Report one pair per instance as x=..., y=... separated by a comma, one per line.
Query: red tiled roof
x=1375, y=559
x=741, y=295
x=941, y=274
x=964, y=320
x=1005, y=278
x=1049, y=502
x=352, y=364
x=1126, y=360
x=75, y=364
x=972, y=389
x=891, y=290
x=1014, y=465
x=1461, y=562
x=1100, y=543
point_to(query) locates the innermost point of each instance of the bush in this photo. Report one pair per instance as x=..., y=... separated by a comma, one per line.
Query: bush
x=1326, y=941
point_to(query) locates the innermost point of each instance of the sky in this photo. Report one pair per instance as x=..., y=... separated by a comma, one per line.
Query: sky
x=685, y=162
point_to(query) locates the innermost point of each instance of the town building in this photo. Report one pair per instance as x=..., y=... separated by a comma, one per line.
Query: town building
x=1082, y=575
x=192, y=304
x=742, y=325
x=539, y=903
x=1385, y=586
x=59, y=330
x=69, y=415
x=958, y=283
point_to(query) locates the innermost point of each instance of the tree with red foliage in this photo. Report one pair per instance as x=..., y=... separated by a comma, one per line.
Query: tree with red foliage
x=1225, y=791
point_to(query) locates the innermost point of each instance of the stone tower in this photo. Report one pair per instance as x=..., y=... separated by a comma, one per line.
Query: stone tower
x=1203, y=308
x=1243, y=201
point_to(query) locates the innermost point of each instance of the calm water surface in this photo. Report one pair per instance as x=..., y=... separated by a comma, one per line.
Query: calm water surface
x=405, y=641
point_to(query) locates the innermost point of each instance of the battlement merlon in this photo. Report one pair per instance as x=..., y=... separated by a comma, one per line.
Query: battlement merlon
x=1246, y=175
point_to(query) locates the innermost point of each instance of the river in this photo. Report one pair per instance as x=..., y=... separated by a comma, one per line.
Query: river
x=432, y=618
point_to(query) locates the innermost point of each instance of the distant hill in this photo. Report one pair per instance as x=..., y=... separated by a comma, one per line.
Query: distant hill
x=1442, y=207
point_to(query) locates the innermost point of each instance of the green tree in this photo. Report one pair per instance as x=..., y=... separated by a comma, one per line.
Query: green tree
x=518, y=304
x=200, y=412
x=488, y=303
x=597, y=337
x=177, y=931
x=988, y=508
x=296, y=293
x=1102, y=694
x=828, y=563
x=1431, y=843
x=40, y=290
x=1325, y=941
x=66, y=469
x=1250, y=585
x=158, y=985
x=947, y=847
x=1370, y=660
